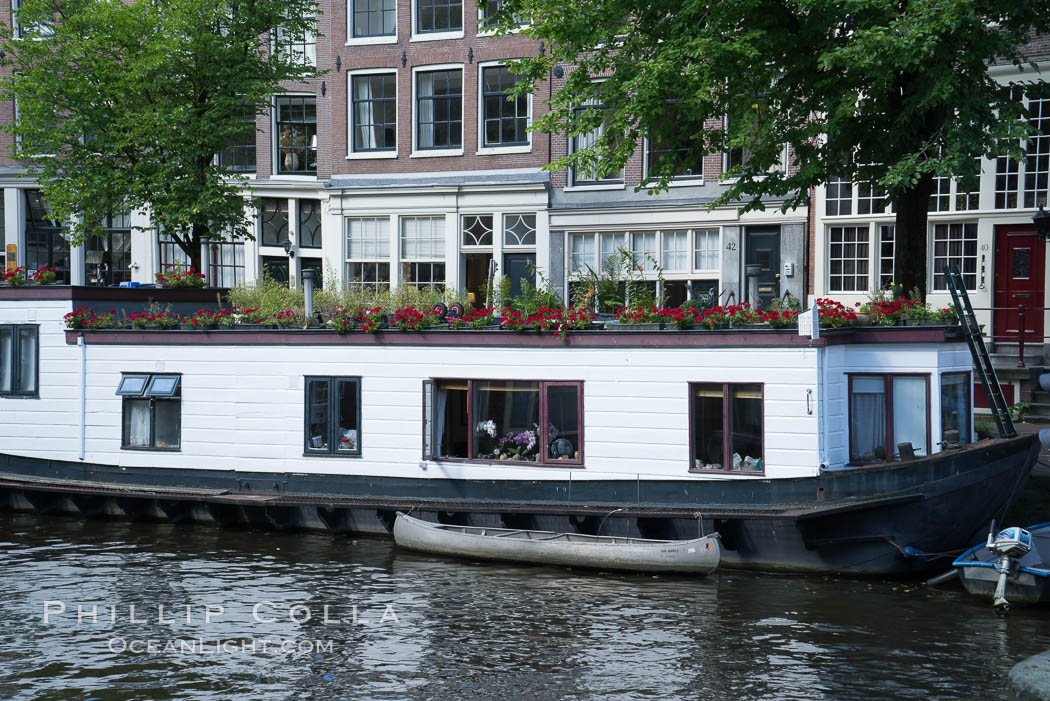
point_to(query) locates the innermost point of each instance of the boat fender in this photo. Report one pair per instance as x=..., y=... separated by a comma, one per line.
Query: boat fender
x=911, y=552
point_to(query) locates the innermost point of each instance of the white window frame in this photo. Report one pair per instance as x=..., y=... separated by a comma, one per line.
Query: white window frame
x=393, y=245
x=275, y=139
x=872, y=257
x=570, y=175
x=693, y=250
x=494, y=150
x=355, y=155
x=309, y=38
x=677, y=181
x=413, y=7
x=351, y=40
x=437, y=153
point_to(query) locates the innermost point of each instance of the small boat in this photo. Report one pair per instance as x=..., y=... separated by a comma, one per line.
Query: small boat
x=697, y=556
x=1028, y=568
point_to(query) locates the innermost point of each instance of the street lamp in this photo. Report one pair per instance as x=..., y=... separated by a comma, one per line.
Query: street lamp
x=1042, y=223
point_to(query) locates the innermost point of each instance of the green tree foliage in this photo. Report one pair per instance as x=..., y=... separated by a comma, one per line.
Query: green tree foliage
x=124, y=106
x=893, y=93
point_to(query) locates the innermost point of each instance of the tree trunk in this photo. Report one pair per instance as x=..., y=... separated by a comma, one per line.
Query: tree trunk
x=910, y=266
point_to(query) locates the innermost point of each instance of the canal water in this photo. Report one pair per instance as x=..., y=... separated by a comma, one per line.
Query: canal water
x=244, y=617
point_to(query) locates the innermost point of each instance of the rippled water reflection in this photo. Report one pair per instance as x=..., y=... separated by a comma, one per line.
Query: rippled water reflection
x=465, y=630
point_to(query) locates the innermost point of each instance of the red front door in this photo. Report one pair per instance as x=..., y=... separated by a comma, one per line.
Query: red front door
x=1019, y=264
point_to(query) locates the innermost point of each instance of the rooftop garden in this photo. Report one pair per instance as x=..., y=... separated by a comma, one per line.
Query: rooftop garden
x=272, y=305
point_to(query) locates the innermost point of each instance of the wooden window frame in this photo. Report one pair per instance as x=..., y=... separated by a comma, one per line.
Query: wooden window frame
x=332, y=450
x=887, y=378
x=430, y=439
x=153, y=399
x=726, y=434
x=14, y=362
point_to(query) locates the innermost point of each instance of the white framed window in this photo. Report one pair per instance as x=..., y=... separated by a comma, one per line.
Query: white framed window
x=519, y=230
x=676, y=251
x=955, y=243
x=585, y=177
x=688, y=169
x=838, y=197
x=503, y=124
x=848, y=258
x=368, y=253
x=610, y=245
x=437, y=19
x=372, y=21
x=438, y=111
x=1027, y=183
x=643, y=250
x=298, y=48
x=423, y=251
x=24, y=30
x=476, y=230
x=706, y=249
x=372, y=114
x=872, y=199
x=581, y=252
x=886, y=254
x=295, y=133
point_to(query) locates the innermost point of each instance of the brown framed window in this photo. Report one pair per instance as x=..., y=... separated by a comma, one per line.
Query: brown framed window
x=515, y=421
x=726, y=431
x=886, y=411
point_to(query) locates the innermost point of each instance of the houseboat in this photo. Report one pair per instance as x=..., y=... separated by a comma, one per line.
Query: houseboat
x=852, y=451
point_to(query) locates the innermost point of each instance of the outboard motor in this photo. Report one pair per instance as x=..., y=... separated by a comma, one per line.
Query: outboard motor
x=1008, y=546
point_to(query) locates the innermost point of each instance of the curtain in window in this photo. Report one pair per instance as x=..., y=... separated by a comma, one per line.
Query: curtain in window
x=909, y=413
x=136, y=423
x=364, y=114
x=676, y=250
x=425, y=118
x=867, y=419
x=581, y=252
x=7, y=349
x=610, y=250
x=440, y=405
x=27, y=360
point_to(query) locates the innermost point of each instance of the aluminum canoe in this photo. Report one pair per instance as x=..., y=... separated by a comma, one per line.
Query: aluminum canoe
x=697, y=556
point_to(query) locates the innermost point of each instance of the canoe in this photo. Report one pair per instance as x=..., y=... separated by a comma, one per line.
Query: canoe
x=697, y=556
x=1030, y=584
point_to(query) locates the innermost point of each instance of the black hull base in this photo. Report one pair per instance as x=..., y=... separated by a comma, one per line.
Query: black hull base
x=904, y=518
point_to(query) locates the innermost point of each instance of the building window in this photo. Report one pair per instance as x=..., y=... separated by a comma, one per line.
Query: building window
x=19, y=360
x=871, y=199
x=941, y=199
x=955, y=244
x=273, y=221
x=1037, y=160
x=955, y=408
x=333, y=416
x=297, y=135
x=725, y=425
x=661, y=154
x=518, y=229
x=886, y=256
x=374, y=112
x=439, y=16
x=592, y=173
x=848, y=259
x=439, y=109
x=300, y=49
x=152, y=411
x=477, y=230
x=309, y=232
x=107, y=256
x=28, y=30
x=223, y=261
x=239, y=156
x=643, y=250
x=1006, y=175
x=611, y=249
x=706, y=251
x=489, y=14
x=884, y=412
x=504, y=121
x=838, y=197
x=423, y=252
x=676, y=251
x=374, y=18
x=368, y=253
x=47, y=241
x=504, y=421
x=581, y=253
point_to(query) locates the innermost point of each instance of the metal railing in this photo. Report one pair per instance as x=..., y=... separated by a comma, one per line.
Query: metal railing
x=1022, y=327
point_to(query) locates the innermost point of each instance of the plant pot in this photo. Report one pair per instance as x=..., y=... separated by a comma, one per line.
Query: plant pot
x=862, y=320
x=1044, y=382
x=633, y=328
